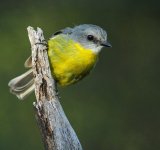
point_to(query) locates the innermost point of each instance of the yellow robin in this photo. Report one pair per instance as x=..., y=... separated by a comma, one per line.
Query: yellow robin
x=72, y=53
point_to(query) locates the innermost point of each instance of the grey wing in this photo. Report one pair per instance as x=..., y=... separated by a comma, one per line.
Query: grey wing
x=28, y=62
x=67, y=30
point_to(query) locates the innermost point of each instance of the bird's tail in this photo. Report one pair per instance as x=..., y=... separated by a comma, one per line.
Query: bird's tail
x=22, y=85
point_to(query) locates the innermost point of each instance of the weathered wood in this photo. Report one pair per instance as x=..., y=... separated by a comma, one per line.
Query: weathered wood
x=57, y=133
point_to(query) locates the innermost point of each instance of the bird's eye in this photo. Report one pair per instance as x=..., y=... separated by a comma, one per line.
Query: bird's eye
x=90, y=37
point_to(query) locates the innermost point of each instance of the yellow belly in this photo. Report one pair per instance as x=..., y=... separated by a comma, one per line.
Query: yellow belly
x=69, y=61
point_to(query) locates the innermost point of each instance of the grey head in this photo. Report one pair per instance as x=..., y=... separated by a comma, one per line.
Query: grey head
x=90, y=36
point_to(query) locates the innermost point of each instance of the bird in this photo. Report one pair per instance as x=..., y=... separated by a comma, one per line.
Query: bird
x=72, y=52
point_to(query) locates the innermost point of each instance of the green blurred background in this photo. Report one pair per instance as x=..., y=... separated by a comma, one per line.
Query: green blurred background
x=117, y=106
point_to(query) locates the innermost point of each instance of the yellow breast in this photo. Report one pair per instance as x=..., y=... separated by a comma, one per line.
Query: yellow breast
x=69, y=61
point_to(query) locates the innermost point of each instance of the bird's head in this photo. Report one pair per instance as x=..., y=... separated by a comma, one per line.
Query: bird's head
x=90, y=36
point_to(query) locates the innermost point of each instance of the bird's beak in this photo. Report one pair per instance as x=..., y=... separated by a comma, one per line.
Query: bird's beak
x=106, y=44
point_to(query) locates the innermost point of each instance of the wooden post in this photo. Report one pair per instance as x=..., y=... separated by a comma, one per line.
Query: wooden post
x=57, y=133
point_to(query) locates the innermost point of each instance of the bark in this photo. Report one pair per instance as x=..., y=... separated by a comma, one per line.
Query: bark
x=57, y=133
